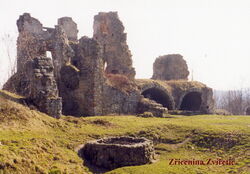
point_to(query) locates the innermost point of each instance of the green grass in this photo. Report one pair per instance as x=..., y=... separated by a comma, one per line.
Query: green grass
x=32, y=142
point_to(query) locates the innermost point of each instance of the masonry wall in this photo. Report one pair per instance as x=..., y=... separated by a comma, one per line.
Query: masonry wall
x=109, y=32
x=84, y=98
x=42, y=88
x=170, y=67
x=177, y=90
x=75, y=79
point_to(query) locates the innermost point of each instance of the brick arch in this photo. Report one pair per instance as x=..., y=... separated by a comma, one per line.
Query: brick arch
x=191, y=100
x=159, y=94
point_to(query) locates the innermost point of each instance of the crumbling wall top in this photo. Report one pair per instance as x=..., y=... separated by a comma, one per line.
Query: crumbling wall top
x=69, y=26
x=108, y=24
x=29, y=24
x=170, y=67
x=109, y=32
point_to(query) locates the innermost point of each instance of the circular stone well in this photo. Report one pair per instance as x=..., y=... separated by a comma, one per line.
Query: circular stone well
x=114, y=152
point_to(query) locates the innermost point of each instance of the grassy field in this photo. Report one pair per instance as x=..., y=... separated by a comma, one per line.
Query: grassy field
x=32, y=142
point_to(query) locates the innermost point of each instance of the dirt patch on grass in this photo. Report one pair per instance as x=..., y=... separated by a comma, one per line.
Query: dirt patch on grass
x=100, y=122
x=74, y=120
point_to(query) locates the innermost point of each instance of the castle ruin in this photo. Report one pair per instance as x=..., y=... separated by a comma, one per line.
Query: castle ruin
x=95, y=76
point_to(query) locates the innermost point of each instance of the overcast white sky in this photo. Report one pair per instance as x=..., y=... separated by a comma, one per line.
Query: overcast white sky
x=212, y=35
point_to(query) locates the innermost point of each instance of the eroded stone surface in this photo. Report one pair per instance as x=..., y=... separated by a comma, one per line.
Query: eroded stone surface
x=177, y=91
x=42, y=88
x=147, y=105
x=88, y=92
x=76, y=79
x=118, y=101
x=34, y=40
x=116, y=152
x=170, y=67
x=109, y=32
x=29, y=24
x=70, y=28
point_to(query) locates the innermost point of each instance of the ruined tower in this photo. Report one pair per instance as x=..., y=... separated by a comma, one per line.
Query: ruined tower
x=82, y=84
x=109, y=32
x=70, y=28
x=75, y=81
x=170, y=67
x=43, y=91
x=34, y=40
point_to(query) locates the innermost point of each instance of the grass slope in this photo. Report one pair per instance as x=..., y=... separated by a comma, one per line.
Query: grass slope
x=32, y=142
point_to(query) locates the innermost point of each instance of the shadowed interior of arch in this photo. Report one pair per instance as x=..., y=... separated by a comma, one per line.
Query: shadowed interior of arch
x=158, y=96
x=191, y=101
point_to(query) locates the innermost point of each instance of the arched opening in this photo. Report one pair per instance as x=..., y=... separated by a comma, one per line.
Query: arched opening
x=158, y=96
x=191, y=102
x=248, y=111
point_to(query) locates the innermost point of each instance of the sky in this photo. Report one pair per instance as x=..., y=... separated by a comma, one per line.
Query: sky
x=212, y=35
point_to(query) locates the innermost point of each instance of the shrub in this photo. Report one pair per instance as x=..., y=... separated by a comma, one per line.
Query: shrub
x=121, y=82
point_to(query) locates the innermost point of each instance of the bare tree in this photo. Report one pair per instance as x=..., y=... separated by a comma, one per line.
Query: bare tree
x=234, y=101
x=8, y=56
x=9, y=45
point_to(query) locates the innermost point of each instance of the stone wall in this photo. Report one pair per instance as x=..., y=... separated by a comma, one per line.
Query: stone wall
x=70, y=82
x=109, y=32
x=114, y=152
x=116, y=101
x=43, y=92
x=29, y=24
x=170, y=67
x=182, y=88
x=177, y=90
x=62, y=53
x=88, y=78
x=147, y=105
x=76, y=80
x=79, y=64
x=70, y=28
x=34, y=40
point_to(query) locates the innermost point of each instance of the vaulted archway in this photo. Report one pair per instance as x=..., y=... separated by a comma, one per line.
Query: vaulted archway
x=191, y=101
x=159, y=96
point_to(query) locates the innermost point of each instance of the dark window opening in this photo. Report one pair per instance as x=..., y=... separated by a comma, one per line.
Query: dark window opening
x=191, y=102
x=158, y=96
x=114, y=71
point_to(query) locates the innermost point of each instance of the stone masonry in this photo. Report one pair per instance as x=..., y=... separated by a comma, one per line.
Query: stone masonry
x=85, y=96
x=69, y=27
x=109, y=32
x=170, y=67
x=42, y=88
x=114, y=152
x=95, y=76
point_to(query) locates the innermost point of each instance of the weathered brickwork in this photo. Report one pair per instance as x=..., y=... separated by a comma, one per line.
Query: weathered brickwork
x=95, y=76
